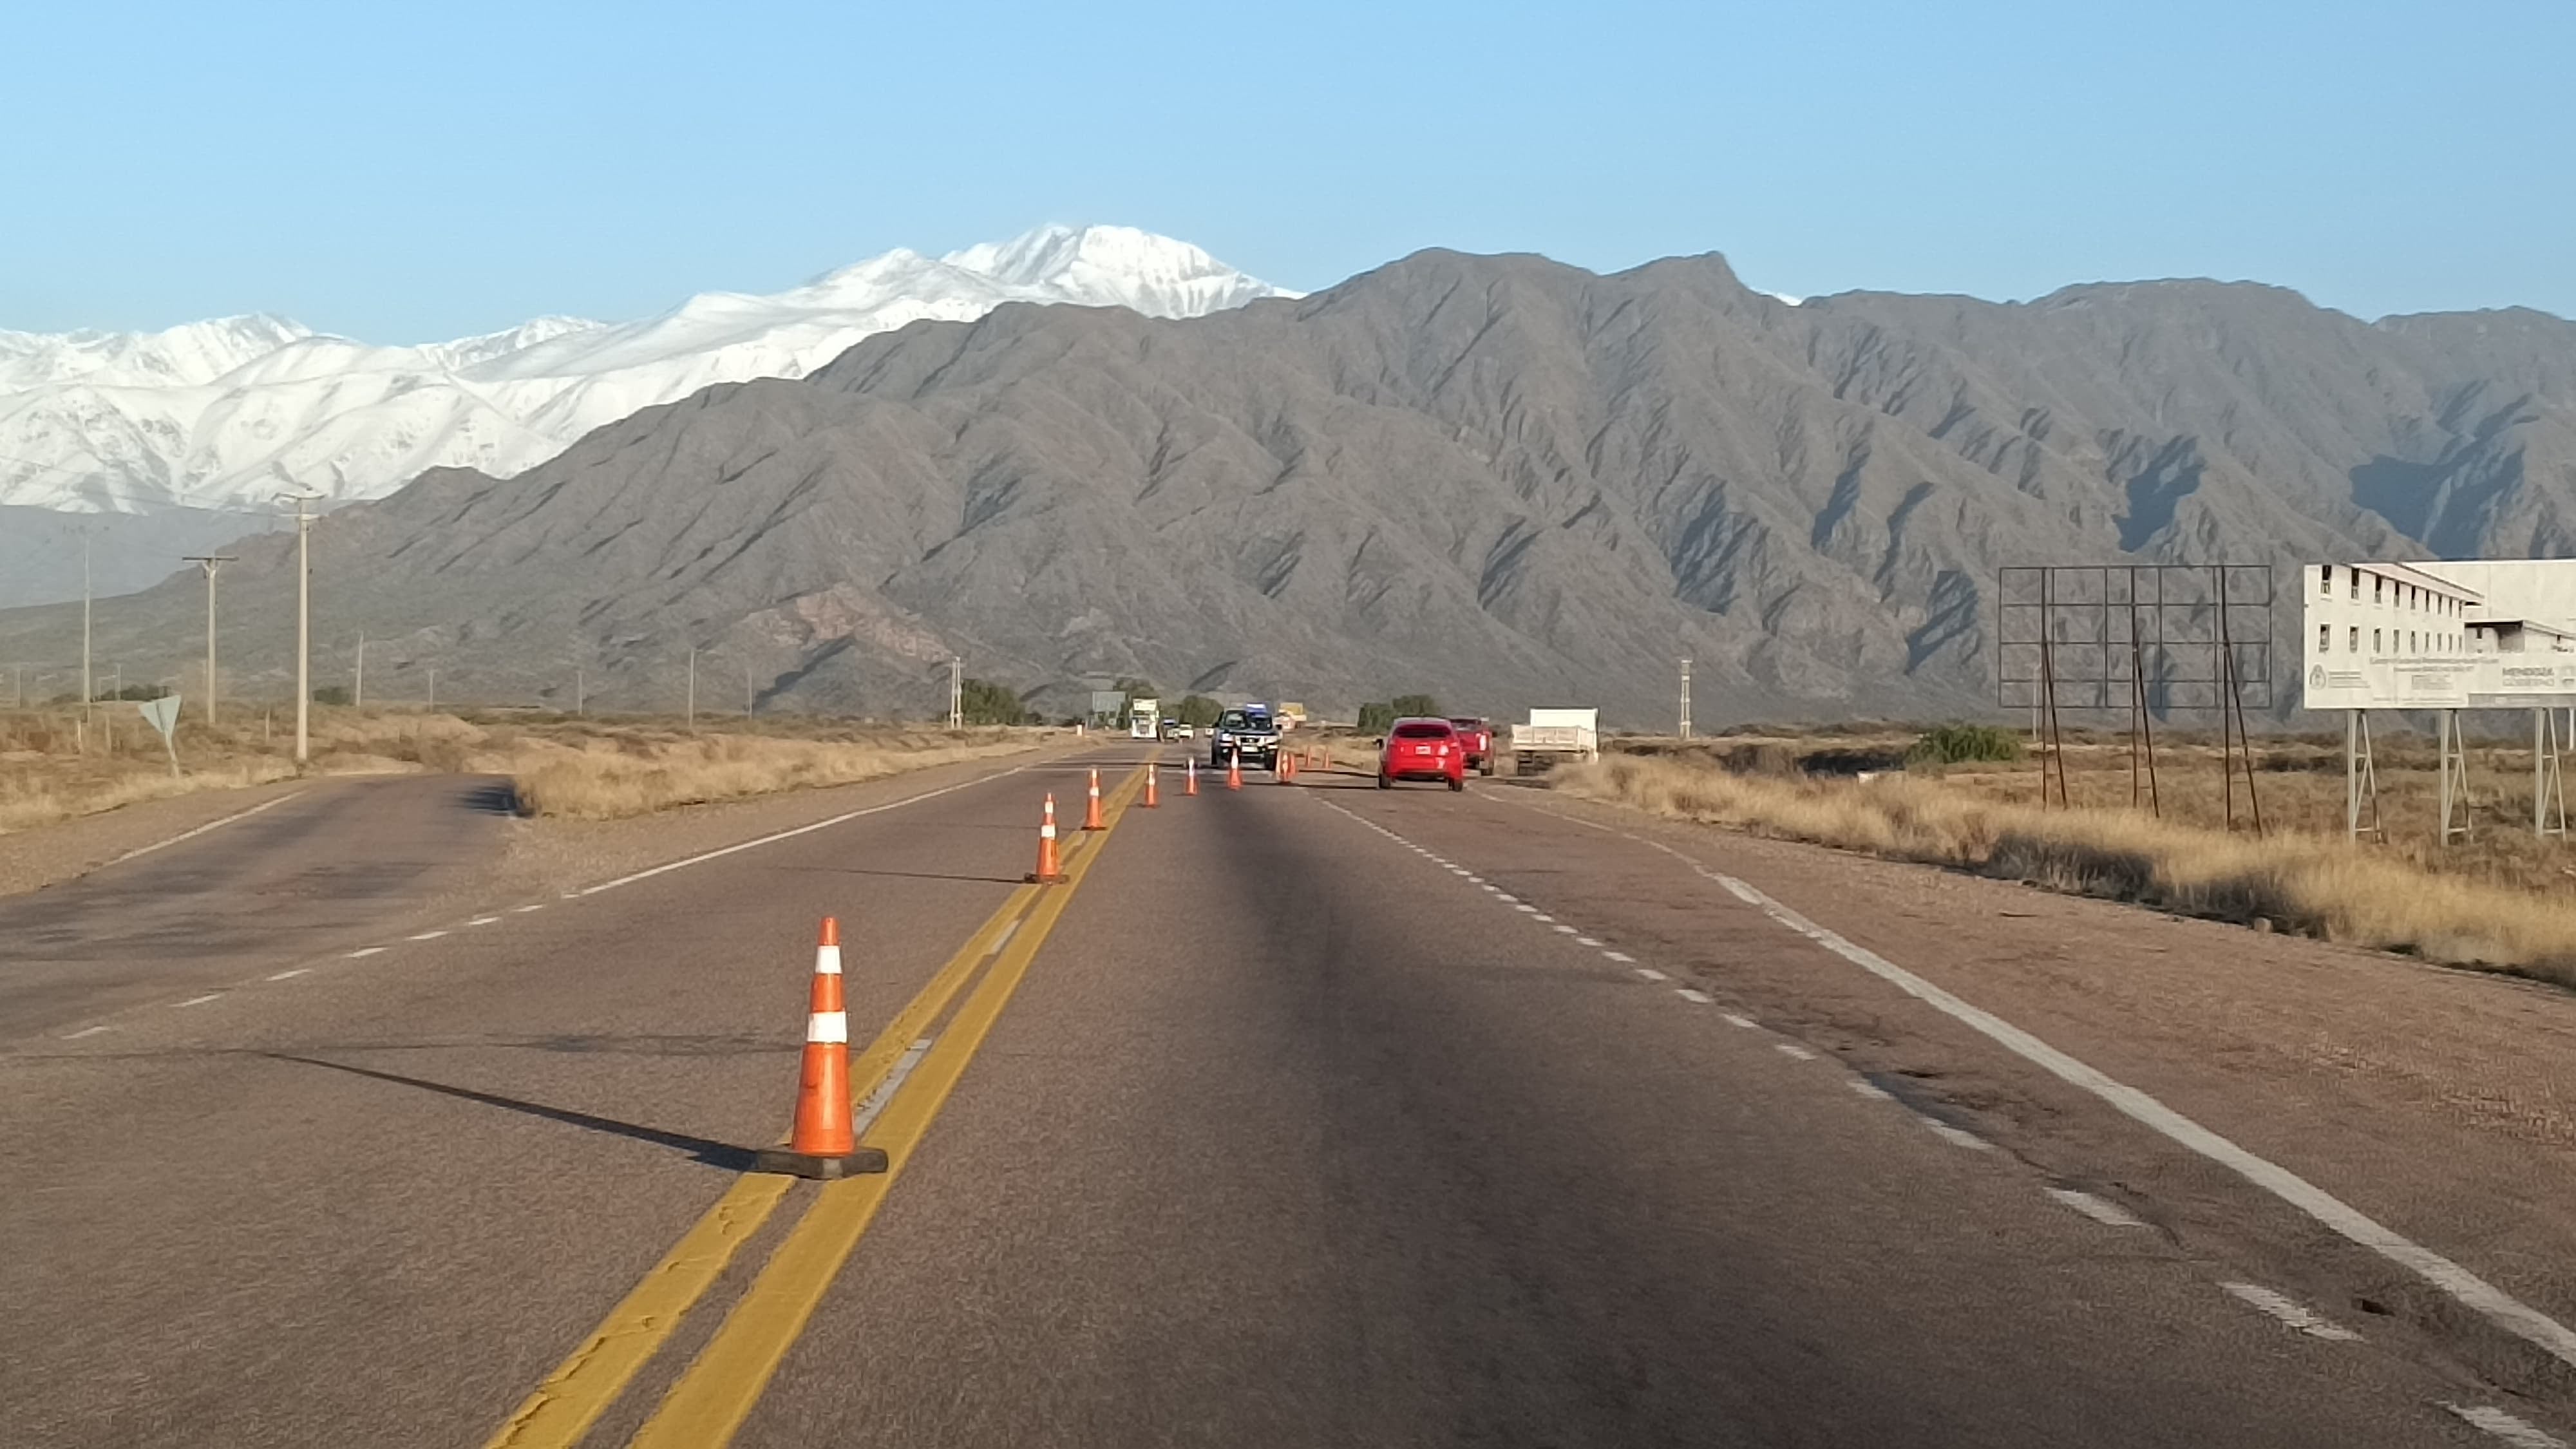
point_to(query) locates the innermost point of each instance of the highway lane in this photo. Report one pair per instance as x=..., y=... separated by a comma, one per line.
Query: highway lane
x=376, y=1202
x=1301, y=1138
x=338, y=858
x=1291, y=1134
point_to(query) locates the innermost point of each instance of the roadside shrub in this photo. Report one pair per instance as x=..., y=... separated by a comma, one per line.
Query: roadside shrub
x=1953, y=744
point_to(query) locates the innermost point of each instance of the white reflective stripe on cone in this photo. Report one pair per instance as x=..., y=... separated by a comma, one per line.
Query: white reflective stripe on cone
x=827, y=960
x=827, y=1026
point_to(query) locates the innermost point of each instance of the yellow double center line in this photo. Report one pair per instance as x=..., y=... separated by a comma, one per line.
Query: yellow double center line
x=709, y=1402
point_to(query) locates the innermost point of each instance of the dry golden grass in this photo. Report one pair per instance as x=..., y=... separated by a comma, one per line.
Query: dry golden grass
x=2296, y=880
x=51, y=769
x=636, y=773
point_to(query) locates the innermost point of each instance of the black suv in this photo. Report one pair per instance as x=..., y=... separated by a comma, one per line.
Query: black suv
x=1250, y=734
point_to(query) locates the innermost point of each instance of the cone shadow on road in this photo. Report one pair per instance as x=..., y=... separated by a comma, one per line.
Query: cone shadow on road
x=722, y=1155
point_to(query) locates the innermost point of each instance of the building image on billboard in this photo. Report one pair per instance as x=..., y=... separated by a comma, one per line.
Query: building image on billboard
x=2484, y=634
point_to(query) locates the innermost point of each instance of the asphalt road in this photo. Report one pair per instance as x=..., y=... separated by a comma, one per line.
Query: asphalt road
x=1305, y=1115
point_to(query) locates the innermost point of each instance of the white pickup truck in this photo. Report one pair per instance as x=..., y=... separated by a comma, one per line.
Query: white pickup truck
x=1552, y=735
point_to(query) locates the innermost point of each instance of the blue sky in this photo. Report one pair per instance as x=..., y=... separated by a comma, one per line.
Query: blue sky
x=402, y=173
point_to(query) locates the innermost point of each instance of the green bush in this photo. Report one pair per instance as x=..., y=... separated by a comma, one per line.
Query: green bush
x=1952, y=744
x=983, y=702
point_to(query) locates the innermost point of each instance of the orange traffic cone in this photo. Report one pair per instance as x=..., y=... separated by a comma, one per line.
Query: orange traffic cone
x=1234, y=771
x=1190, y=776
x=824, y=1144
x=1091, y=812
x=1151, y=799
x=1047, y=872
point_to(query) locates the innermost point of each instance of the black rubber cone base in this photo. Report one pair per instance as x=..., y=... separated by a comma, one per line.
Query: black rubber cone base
x=860, y=1162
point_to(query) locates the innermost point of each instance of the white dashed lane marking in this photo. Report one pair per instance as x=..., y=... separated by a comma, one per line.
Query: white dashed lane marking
x=2506, y=1427
x=1957, y=1138
x=2294, y=1314
x=2465, y=1287
x=2101, y=1210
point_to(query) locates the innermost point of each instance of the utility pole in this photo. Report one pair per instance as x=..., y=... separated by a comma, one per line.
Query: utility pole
x=209, y=562
x=88, y=691
x=693, y=689
x=956, y=693
x=303, y=627
x=1686, y=699
x=358, y=685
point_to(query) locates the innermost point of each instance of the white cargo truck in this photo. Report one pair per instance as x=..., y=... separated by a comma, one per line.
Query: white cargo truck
x=1552, y=735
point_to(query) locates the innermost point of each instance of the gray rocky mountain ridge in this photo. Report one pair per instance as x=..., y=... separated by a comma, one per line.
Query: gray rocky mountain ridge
x=1500, y=479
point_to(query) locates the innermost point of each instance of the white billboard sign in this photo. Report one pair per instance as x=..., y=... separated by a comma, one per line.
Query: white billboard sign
x=2439, y=635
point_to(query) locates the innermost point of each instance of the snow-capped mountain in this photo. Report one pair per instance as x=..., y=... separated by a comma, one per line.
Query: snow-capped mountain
x=228, y=413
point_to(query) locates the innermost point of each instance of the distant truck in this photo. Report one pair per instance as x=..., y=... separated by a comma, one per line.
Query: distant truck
x=1553, y=735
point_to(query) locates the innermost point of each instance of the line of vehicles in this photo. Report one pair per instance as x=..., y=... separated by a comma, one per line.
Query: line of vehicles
x=1429, y=748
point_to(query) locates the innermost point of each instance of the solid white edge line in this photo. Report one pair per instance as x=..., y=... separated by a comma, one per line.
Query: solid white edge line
x=2297, y=1315
x=2499, y=1307
x=2506, y=1427
x=841, y=819
x=200, y=830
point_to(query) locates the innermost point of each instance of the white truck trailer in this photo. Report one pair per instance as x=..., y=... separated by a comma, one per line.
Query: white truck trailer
x=1552, y=735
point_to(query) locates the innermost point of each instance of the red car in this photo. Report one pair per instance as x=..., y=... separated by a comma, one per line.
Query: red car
x=1477, y=738
x=1423, y=749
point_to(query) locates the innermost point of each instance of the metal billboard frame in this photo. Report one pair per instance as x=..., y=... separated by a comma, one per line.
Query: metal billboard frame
x=2152, y=639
